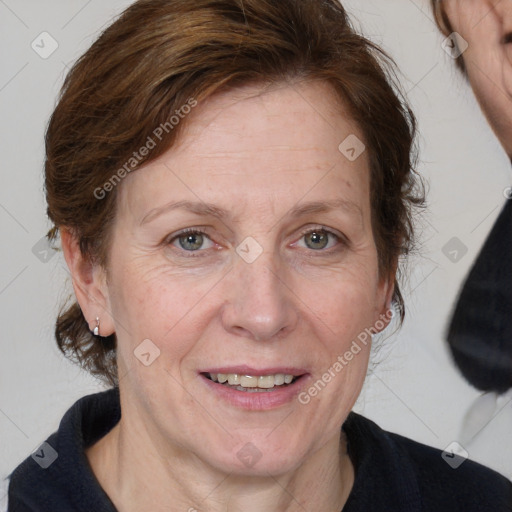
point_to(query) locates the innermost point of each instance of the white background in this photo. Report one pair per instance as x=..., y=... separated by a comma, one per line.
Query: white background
x=414, y=390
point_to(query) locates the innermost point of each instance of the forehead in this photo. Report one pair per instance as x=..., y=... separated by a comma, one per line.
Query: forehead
x=304, y=116
x=257, y=143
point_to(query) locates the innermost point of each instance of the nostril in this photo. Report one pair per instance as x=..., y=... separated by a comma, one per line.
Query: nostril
x=507, y=38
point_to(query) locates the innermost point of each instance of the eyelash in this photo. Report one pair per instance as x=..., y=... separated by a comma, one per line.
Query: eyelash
x=342, y=241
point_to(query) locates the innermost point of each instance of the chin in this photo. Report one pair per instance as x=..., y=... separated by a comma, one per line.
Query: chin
x=257, y=457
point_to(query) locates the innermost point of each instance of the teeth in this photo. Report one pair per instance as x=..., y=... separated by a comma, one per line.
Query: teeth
x=266, y=381
x=249, y=382
x=233, y=379
x=252, y=381
x=279, y=379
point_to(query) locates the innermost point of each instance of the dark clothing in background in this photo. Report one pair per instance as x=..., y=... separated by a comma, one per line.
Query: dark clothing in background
x=392, y=473
x=480, y=333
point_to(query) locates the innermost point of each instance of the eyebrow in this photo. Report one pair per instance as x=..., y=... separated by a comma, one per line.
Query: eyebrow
x=209, y=209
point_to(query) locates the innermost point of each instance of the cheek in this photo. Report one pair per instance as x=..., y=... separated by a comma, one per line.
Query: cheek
x=495, y=99
x=507, y=70
x=173, y=315
x=342, y=304
x=154, y=303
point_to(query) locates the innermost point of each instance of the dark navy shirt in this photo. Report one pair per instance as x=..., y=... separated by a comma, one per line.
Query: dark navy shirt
x=392, y=473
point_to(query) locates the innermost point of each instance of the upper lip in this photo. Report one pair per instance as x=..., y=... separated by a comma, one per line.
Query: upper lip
x=249, y=370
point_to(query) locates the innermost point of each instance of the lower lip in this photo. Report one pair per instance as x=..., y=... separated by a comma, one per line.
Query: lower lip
x=259, y=400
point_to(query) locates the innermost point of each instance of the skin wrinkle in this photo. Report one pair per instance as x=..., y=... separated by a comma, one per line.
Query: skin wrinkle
x=207, y=209
x=176, y=439
x=488, y=59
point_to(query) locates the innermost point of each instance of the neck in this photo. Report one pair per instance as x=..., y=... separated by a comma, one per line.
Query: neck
x=140, y=472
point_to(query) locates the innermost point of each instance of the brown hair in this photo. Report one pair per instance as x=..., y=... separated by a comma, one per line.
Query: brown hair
x=445, y=27
x=159, y=55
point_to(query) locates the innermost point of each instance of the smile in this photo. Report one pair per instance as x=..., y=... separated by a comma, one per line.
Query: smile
x=255, y=390
x=252, y=383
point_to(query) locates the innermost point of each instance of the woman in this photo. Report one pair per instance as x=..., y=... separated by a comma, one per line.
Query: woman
x=233, y=186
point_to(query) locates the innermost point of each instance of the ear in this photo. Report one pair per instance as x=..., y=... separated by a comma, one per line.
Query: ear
x=89, y=284
x=386, y=290
x=441, y=18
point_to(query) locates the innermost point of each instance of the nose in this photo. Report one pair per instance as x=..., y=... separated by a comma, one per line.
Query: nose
x=504, y=11
x=260, y=304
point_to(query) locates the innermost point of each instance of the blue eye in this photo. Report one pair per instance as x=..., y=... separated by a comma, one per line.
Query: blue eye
x=316, y=239
x=319, y=239
x=191, y=240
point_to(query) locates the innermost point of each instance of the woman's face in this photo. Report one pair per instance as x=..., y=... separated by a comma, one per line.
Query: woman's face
x=486, y=25
x=279, y=275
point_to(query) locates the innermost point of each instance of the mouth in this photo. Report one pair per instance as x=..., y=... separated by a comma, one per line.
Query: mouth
x=247, y=388
x=253, y=383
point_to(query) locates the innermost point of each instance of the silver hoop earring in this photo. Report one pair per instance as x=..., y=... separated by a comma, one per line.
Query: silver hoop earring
x=96, y=330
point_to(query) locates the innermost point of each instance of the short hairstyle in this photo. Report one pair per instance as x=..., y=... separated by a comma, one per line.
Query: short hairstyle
x=160, y=54
x=444, y=25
